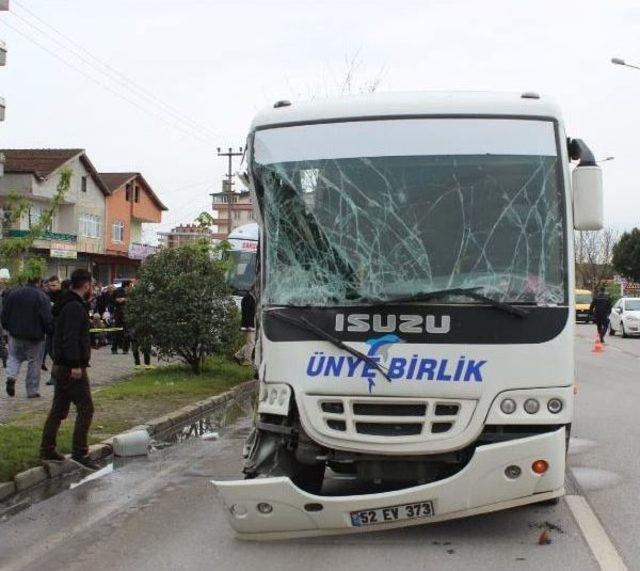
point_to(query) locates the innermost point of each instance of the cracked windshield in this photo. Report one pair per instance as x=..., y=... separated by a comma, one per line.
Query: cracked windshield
x=454, y=211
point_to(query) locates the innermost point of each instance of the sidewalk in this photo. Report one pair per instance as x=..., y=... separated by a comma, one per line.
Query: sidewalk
x=105, y=369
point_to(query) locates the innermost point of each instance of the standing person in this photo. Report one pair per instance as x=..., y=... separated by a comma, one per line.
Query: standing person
x=104, y=303
x=53, y=289
x=139, y=345
x=120, y=338
x=247, y=325
x=600, y=309
x=139, y=342
x=26, y=315
x=71, y=357
x=5, y=276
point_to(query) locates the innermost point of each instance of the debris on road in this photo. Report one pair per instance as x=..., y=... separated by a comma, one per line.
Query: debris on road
x=544, y=538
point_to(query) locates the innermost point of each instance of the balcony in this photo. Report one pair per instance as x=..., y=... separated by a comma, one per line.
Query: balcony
x=49, y=236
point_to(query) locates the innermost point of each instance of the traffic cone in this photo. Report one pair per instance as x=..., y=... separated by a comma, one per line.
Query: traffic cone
x=597, y=345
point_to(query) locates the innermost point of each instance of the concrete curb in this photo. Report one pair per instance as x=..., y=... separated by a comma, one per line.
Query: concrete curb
x=192, y=411
x=50, y=470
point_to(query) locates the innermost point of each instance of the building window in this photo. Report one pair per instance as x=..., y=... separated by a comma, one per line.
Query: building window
x=136, y=193
x=128, y=191
x=90, y=226
x=117, y=231
x=35, y=212
x=83, y=184
x=235, y=214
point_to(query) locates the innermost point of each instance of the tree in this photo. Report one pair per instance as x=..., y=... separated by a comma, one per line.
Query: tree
x=626, y=255
x=182, y=305
x=205, y=220
x=594, y=250
x=352, y=77
x=14, y=251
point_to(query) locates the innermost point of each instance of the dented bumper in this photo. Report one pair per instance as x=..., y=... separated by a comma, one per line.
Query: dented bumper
x=480, y=487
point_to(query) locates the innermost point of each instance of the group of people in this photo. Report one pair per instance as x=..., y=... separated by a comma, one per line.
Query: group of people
x=54, y=320
x=32, y=337
x=63, y=321
x=109, y=311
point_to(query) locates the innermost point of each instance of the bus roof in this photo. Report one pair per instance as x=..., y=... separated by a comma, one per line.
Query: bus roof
x=245, y=232
x=399, y=104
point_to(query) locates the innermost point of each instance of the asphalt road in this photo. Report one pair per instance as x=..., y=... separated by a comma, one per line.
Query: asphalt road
x=161, y=513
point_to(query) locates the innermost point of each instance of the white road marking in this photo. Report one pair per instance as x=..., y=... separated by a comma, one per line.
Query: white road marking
x=595, y=535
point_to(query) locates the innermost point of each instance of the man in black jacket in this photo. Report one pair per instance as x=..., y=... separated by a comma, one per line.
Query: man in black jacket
x=120, y=339
x=600, y=309
x=248, y=327
x=71, y=356
x=26, y=316
x=53, y=289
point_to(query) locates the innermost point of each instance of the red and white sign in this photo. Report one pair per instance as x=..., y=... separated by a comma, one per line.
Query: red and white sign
x=65, y=250
x=250, y=245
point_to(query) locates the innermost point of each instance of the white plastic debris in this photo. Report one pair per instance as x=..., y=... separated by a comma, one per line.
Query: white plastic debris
x=135, y=443
x=210, y=436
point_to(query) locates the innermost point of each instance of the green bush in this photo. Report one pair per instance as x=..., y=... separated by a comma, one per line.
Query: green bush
x=183, y=306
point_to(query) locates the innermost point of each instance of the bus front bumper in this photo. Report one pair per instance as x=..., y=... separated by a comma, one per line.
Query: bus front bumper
x=480, y=487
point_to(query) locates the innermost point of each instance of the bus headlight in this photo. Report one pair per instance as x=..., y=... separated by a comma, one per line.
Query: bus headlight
x=508, y=406
x=554, y=406
x=531, y=406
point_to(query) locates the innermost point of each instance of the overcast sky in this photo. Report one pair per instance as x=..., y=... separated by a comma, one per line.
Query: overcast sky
x=215, y=63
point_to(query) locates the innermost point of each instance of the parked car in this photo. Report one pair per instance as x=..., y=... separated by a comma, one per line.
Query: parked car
x=583, y=304
x=625, y=317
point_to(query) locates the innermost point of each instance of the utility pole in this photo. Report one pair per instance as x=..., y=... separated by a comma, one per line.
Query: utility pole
x=4, y=7
x=227, y=185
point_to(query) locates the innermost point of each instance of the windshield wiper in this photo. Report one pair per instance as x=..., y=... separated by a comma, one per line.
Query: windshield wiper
x=471, y=292
x=305, y=324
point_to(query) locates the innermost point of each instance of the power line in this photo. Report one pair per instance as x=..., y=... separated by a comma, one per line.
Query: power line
x=111, y=72
x=105, y=86
x=151, y=98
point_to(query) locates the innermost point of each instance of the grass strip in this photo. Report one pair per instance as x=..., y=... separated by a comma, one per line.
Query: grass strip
x=130, y=402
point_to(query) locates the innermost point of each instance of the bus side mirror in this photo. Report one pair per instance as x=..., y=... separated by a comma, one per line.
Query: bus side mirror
x=586, y=182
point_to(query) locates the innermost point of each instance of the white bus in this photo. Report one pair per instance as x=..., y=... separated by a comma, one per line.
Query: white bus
x=415, y=348
x=243, y=257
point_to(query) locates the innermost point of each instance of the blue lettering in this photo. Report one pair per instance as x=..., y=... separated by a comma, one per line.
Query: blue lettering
x=412, y=367
x=368, y=371
x=459, y=368
x=352, y=364
x=473, y=370
x=396, y=368
x=314, y=372
x=334, y=366
x=427, y=366
x=442, y=376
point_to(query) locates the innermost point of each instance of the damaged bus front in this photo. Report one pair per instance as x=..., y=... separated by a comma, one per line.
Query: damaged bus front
x=415, y=344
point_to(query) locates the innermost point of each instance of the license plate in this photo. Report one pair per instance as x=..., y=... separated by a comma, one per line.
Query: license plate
x=393, y=513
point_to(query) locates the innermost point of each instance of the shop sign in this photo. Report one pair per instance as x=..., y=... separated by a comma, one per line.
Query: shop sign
x=64, y=250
